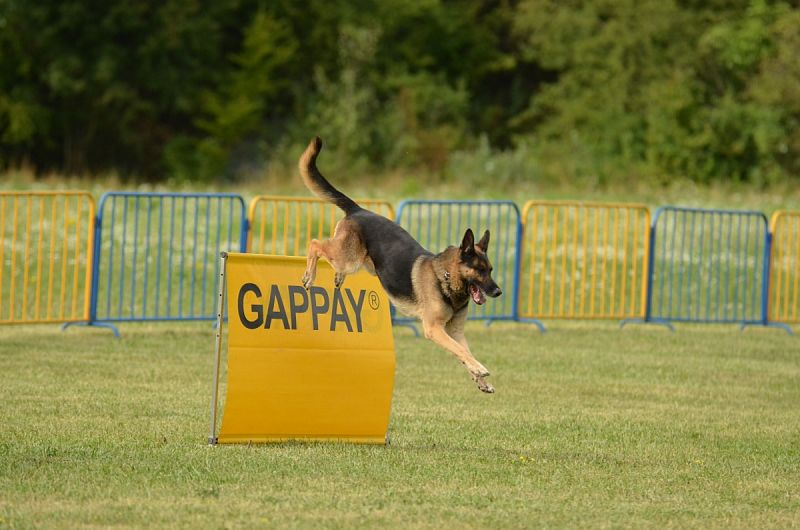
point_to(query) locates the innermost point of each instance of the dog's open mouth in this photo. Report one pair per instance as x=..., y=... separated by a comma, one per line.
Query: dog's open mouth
x=476, y=294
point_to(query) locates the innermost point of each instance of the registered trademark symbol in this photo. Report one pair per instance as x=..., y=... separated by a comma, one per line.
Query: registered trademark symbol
x=374, y=301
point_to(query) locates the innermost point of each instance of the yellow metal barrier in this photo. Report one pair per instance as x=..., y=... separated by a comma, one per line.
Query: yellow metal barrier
x=286, y=225
x=584, y=260
x=784, y=285
x=46, y=244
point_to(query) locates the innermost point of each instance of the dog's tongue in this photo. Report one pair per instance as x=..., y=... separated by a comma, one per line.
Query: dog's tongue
x=477, y=294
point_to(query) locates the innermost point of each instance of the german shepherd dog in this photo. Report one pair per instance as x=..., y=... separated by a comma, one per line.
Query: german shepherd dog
x=436, y=288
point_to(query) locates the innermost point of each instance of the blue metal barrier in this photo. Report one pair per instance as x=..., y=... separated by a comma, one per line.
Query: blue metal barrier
x=439, y=224
x=156, y=254
x=708, y=266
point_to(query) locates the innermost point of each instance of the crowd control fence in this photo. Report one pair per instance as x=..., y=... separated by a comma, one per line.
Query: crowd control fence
x=155, y=255
x=149, y=256
x=784, y=285
x=584, y=260
x=437, y=224
x=708, y=266
x=45, y=256
x=286, y=225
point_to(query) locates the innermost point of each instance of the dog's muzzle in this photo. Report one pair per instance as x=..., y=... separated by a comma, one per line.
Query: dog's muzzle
x=495, y=292
x=478, y=294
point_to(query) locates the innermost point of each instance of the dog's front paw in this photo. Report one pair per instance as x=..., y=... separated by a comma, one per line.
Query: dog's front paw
x=308, y=280
x=480, y=379
x=484, y=386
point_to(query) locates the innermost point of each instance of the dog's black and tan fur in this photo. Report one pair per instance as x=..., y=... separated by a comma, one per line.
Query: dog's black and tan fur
x=436, y=288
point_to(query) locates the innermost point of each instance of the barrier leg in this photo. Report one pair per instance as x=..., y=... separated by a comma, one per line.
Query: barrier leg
x=779, y=325
x=106, y=325
x=406, y=325
x=212, y=435
x=536, y=322
x=656, y=321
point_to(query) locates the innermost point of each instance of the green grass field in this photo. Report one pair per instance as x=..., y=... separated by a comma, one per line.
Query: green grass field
x=590, y=427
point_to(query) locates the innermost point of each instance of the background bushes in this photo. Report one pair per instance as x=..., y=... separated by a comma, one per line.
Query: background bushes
x=603, y=89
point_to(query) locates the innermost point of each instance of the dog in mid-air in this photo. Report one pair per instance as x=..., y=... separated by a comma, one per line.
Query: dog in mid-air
x=436, y=288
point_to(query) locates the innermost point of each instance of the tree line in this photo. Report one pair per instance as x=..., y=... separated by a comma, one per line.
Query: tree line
x=193, y=89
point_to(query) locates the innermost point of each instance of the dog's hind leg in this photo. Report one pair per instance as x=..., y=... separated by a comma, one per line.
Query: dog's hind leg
x=315, y=250
x=345, y=252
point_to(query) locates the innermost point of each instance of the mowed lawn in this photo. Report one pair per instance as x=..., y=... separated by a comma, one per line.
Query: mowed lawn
x=590, y=427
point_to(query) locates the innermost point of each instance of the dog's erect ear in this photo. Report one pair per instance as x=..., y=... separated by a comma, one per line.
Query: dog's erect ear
x=468, y=242
x=483, y=244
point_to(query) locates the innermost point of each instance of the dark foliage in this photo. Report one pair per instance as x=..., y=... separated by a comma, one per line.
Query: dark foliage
x=203, y=90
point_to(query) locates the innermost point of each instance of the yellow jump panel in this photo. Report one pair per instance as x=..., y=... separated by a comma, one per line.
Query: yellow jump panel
x=315, y=365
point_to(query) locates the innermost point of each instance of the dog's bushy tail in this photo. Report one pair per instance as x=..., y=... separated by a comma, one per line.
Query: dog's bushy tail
x=318, y=184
